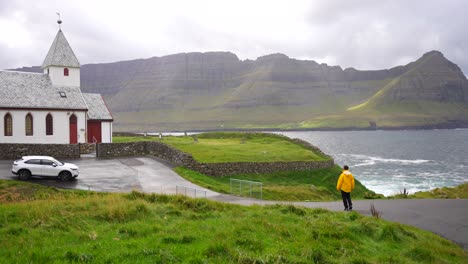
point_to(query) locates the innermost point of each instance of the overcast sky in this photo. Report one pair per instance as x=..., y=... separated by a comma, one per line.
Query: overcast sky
x=365, y=34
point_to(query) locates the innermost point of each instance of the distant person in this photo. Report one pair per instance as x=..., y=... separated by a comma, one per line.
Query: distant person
x=346, y=186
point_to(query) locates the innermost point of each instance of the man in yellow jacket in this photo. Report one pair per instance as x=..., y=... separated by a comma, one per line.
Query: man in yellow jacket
x=346, y=186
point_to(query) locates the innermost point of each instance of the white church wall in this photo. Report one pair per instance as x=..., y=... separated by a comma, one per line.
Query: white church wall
x=61, y=129
x=57, y=77
x=106, y=132
x=81, y=126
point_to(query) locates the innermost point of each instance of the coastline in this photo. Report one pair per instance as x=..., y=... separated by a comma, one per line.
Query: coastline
x=450, y=125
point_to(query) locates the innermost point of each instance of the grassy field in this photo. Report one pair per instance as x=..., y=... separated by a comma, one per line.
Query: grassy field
x=310, y=185
x=45, y=225
x=236, y=147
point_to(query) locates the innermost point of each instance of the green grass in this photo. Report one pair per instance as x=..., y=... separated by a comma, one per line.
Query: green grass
x=457, y=192
x=128, y=139
x=309, y=185
x=150, y=228
x=236, y=147
x=17, y=191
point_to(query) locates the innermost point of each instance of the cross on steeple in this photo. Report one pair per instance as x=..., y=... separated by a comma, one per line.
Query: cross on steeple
x=59, y=21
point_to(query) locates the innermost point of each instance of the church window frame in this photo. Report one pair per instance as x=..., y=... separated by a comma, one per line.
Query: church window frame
x=66, y=72
x=8, y=125
x=29, y=125
x=49, y=120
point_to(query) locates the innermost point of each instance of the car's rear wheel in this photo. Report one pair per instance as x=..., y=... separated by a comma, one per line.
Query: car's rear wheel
x=65, y=176
x=24, y=175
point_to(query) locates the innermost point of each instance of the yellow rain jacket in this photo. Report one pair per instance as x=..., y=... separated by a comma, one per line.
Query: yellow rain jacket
x=345, y=182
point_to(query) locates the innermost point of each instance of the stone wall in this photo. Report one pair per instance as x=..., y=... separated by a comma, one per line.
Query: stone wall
x=234, y=168
x=179, y=158
x=310, y=146
x=15, y=151
x=174, y=156
x=110, y=150
x=86, y=148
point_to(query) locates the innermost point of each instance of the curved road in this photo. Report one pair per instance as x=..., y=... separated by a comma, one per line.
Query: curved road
x=447, y=218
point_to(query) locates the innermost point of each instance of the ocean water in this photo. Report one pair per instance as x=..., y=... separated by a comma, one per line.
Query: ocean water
x=389, y=161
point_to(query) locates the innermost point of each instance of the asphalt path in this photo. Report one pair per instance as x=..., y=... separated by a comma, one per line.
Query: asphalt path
x=447, y=218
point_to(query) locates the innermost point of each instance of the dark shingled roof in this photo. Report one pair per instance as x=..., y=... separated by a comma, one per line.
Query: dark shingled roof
x=60, y=53
x=97, y=108
x=35, y=90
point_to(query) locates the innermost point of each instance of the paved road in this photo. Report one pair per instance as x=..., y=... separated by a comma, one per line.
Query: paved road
x=448, y=218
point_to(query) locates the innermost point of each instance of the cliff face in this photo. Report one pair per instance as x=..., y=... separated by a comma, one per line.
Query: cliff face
x=431, y=78
x=216, y=90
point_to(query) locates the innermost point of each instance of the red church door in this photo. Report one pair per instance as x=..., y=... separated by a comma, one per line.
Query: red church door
x=73, y=130
x=94, y=132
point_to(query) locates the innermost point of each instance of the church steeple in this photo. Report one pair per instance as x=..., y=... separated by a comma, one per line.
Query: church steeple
x=61, y=63
x=60, y=53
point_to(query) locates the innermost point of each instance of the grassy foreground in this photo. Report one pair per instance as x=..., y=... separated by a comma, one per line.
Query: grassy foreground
x=235, y=147
x=308, y=185
x=45, y=225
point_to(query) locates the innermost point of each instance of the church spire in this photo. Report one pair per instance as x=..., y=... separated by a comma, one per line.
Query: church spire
x=60, y=53
x=61, y=64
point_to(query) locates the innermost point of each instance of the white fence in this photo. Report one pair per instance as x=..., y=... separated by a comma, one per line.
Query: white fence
x=192, y=192
x=246, y=188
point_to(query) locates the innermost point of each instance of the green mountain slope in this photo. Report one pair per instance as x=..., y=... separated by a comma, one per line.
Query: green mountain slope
x=433, y=91
x=216, y=90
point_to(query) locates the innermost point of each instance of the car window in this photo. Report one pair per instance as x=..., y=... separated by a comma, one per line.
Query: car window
x=47, y=162
x=58, y=162
x=33, y=161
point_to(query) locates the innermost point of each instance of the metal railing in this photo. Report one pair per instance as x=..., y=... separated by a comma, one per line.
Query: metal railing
x=187, y=191
x=246, y=188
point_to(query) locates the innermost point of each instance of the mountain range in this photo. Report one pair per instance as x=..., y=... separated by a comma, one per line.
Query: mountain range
x=216, y=90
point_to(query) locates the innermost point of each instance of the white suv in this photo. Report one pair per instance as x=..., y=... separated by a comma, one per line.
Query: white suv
x=29, y=166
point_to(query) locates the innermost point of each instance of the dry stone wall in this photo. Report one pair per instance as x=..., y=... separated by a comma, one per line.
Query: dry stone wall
x=166, y=152
x=15, y=151
x=234, y=168
x=179, y=158
x=111, y=150
x=86, y=148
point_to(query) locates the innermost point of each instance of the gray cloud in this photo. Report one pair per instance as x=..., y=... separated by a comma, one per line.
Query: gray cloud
x=364, y=34
x=382, y=34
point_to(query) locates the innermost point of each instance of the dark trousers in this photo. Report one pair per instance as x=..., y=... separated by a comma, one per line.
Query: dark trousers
x=346, y=200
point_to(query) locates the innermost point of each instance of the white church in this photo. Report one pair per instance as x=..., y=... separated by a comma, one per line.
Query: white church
x=49, y=107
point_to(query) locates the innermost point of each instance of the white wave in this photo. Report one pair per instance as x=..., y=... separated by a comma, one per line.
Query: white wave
x=364, y=160
x=417, y=161
x=396, y=186
x=366, y=163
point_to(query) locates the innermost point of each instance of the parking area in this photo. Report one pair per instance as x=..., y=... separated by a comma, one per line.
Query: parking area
x=119, y=175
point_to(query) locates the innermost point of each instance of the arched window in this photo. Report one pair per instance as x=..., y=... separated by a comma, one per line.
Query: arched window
x=8, y=124
x=65, y=72
x=49, y=123
x=29, y=125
